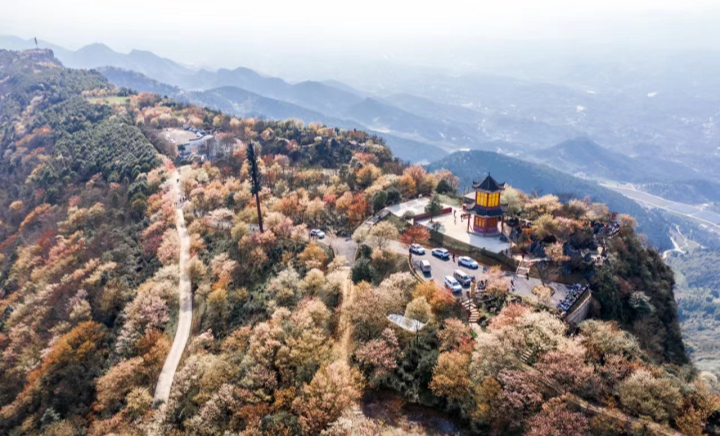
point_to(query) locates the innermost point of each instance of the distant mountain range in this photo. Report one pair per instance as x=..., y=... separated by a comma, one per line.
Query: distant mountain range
x=238, y=101
x=581, y=156
x=137, y=81
x=531, y=177
x=425, y=116
x=417, y=121
x=245, y=92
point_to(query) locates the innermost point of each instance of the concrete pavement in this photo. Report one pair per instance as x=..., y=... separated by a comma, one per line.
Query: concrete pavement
x=342, y=246
x=162, y=390
x=453, y=226
x=440, y=268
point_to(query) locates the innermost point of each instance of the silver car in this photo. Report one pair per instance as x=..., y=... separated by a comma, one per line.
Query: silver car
x=452, y=284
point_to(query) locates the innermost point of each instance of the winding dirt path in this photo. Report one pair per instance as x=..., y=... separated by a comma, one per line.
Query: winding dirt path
x=345, y=330
x=162, y=390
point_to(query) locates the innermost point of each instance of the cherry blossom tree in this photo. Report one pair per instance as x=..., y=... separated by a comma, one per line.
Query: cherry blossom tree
x=543, y=293
x=313, y=256
x=547, y=204
x=455, y=335
x=520, y=397
x=418, y=309
x=381, y=234
x=645, y=394
x=451, y=379
x=557, y=419
x=333, y=389
x=380, y=355
x=415, y=235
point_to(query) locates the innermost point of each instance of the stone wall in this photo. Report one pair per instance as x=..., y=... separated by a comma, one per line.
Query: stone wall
x=581, y=310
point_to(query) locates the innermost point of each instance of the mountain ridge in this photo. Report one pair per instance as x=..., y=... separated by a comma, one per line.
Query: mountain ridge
x=582, y=155
x=242, y=102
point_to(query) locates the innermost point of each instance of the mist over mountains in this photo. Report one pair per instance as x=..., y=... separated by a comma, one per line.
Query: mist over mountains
x=652, y=127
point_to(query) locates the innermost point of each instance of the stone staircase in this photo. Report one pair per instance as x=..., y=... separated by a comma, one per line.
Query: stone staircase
x=470, y=307
x=523, y=268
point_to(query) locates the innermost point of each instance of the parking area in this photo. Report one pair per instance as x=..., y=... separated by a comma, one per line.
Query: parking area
x=441, y=268
x=178, y=136
x=341, y=245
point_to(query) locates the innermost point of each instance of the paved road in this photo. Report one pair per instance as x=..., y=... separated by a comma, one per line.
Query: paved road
x=162, y=390
x=439, y=268
x=345, y=325
x=687, y=210
x=342, y=246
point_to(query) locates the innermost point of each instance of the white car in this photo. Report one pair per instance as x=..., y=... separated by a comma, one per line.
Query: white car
x=452, y=284
x=417, y=249
x=317, y=233
x=467, y=262
x=441, y=253
x=462, y=277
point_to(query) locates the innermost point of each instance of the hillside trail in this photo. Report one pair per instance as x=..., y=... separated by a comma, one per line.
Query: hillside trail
x=162, y=390
x=345, y=328
x=676, y=246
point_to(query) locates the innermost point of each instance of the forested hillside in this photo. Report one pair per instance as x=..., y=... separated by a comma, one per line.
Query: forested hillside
x=72, y=212
x=288, y=336
x=698, y=296
x=240, y=102
x=39, y=75
x=136, y=81
x=696, y=191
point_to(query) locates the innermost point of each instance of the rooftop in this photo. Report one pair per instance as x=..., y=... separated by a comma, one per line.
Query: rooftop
x=488, y=185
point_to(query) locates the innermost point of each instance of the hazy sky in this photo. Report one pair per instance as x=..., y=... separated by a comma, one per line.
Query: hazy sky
x=214, y=32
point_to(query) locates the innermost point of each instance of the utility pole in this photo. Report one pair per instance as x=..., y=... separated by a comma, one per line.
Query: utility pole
x=254, y=180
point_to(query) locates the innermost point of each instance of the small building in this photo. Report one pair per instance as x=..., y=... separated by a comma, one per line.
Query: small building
x=205, y=146
x=487, y=212
x=468, y=200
